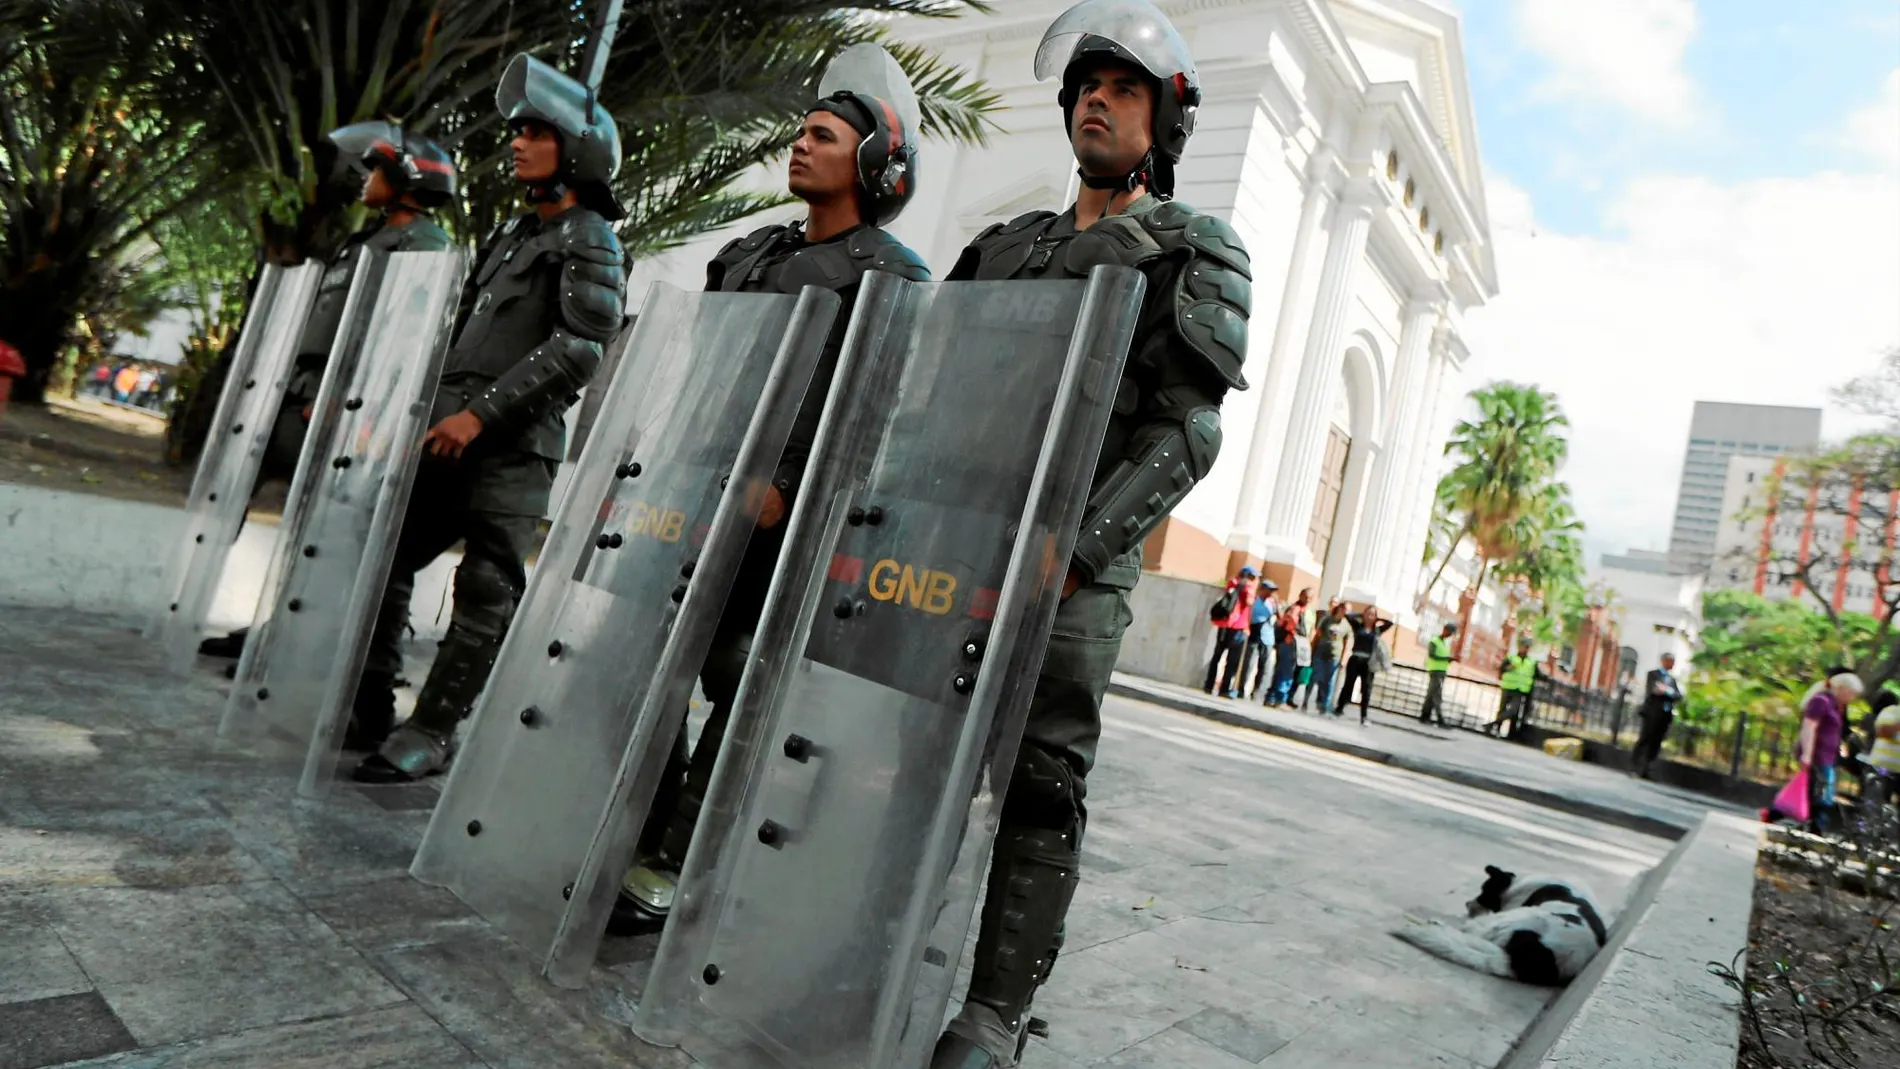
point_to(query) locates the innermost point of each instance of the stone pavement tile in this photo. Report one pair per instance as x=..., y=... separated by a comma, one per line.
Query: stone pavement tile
x=397, y=1037
x=1096, y=1008
x=128, y=850
x=1247, y=1040
x=1349, y=1039
x=395, y=911
x=486, y=993
x=194, y=962
x=1174, y=1048
x=1039, y=1055
x=328, y=840
x=34, y=963
x=57, y=1030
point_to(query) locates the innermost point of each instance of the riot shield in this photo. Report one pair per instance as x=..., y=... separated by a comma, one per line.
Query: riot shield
x=828, y=890
x=227, y=469
x=297, y=678
x=601, y=659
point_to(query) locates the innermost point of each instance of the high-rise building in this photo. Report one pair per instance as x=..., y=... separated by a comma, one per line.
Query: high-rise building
x=1717, y=432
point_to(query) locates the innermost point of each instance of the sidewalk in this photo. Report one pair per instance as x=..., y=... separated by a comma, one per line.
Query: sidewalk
x=164, y=902
x=1459, y=756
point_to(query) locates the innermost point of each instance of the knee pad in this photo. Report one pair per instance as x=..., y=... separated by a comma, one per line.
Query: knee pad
x=485, y=598
x=1045, y=791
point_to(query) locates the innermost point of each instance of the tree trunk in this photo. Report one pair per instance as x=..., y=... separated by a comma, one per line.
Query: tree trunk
x=1418, y=603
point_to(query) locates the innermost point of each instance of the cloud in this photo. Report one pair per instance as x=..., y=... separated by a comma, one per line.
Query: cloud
x=1766, y=291
x=1874, y=130
x=1625, y=53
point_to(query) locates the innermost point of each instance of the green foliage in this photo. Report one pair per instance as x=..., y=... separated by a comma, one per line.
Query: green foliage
x=1504, y=495
x=92, y=154
x=1762, y=655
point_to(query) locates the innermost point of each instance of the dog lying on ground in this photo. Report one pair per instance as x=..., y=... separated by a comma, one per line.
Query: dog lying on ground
x=1540, y=931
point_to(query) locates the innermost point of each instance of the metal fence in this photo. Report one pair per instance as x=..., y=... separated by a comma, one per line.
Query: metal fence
x=1731, y=743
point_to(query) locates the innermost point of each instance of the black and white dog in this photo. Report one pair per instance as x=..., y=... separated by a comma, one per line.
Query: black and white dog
x=1541, y=930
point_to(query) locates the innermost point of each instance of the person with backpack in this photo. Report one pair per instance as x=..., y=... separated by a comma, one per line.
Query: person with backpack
x=1231, y=615
x=1257, y=665
x=1368, y=658
x=1291, y=630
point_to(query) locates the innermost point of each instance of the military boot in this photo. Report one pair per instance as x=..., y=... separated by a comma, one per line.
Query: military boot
x=1033, y=877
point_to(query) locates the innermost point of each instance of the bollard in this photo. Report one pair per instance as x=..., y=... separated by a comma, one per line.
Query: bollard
x=1735, y=753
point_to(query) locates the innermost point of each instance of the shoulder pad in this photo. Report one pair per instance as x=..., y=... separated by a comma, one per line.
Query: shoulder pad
x=888, y=254
x=1175, y=225
x=1024, y=222
x=751, y=242
x=585, y=235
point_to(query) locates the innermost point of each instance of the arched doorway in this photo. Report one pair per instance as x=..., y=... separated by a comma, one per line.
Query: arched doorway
x=1335, y=458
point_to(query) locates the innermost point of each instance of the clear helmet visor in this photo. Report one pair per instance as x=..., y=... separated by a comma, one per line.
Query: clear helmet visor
x=868, y=70
x=1137, y=27
x=353, y=142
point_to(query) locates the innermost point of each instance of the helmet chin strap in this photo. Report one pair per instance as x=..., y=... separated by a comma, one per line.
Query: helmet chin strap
x=549, y=191
x=1121, y=183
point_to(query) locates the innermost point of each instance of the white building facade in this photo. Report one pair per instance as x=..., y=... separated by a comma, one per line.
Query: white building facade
x=1658, y=607
x=1337, y=137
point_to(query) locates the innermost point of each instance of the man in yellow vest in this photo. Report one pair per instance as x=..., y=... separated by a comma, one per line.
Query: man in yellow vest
x=1438, y=660
x=1519, y=676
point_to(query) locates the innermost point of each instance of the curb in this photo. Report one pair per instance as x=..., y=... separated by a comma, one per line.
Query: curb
x=1638, y=822
x=1648, y=998
x=50, y=444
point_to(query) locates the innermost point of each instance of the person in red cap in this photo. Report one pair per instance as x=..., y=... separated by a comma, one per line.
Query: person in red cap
x=11, y=367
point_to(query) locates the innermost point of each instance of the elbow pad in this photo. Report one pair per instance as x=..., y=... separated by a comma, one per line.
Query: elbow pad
x=1164, y=460
x=545, y=379
x=592, y=304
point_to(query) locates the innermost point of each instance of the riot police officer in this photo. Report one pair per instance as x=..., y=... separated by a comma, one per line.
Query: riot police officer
x=854, y=164
x=405, y=179
x=545, y=296
x=1129, y=97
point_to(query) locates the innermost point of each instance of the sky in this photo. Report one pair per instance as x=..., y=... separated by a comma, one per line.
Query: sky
x=1690, y=200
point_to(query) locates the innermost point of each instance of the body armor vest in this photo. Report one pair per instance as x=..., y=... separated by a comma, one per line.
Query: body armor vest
x=326, y=313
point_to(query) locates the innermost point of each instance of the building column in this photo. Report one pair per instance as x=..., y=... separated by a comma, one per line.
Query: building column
x=1388, y=514
x=1421, y=481
x=1291, y=509
x=1289, y=331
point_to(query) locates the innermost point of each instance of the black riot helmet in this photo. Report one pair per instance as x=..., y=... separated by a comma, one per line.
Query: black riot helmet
x=414, y=166
x=533, y=91
x=865, y=87
x=1134, y=32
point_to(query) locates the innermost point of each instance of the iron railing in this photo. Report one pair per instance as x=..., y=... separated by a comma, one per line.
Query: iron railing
x=1729, y=742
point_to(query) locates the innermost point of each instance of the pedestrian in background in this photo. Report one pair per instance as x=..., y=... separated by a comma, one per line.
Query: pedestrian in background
x=1517, y=677
x=1331, y=634
x=1230, y=632
x=1822, y=721
x=1438, y=658
x=1294, y=619
x=1661, y=692
x=1367, y=658
x=1258, y=663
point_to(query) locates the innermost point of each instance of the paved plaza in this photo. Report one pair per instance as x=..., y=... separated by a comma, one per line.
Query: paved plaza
x=163, y=903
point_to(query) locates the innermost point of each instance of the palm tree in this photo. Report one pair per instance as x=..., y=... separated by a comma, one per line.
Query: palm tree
x=702, y=90
x=90, y=158
x=1507, y=460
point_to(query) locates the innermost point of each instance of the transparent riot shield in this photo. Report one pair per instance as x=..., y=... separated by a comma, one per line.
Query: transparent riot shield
x=601, y=659
x=297, y=677
x=233, y=450
x=830, y=883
